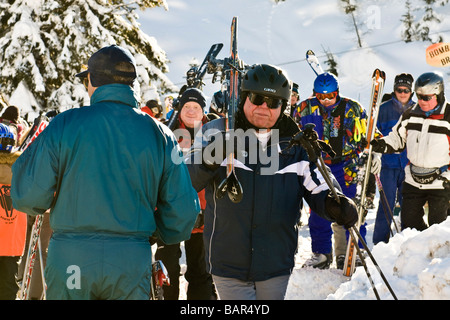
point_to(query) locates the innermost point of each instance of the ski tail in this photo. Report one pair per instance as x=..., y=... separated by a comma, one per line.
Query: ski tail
x=313, y=62
x=160, y=278
x=212, y=53
x=378, y=80
x=231, y=184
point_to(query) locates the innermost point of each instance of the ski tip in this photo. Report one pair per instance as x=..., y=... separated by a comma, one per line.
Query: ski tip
x=377, y=73
x=309, y=53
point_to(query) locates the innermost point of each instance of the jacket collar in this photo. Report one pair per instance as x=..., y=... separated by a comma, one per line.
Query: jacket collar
x=119, y=93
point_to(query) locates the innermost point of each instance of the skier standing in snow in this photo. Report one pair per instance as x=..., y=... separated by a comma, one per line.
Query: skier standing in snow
x=102, y=170
x=424, y=130
x=393, y=165
x=339, y=121
x=250, y=245
x=200, y=287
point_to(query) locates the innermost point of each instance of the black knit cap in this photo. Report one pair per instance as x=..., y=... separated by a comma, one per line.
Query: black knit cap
x=193, y=94
x=403, y=80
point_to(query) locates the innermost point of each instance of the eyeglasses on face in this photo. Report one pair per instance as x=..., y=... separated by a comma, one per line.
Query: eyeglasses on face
x=258, y=99
x=425, y=97
x=402, y=90
x=325, y=96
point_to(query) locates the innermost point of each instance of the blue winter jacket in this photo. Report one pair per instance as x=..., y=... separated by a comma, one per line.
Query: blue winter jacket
x=256, y=239
x=388, y=115
x=107, y=168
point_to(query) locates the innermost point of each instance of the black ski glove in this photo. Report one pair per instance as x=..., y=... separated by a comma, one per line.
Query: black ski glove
x=378, y=145
x=216, y=151
x=344, y=213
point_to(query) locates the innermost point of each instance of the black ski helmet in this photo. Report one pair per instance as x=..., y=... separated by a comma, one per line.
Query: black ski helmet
x=267, y=80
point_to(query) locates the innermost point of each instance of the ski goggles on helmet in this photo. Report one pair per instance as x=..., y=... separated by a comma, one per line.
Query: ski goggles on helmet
x=425, y=97
x=258, y=99
x=326, y=96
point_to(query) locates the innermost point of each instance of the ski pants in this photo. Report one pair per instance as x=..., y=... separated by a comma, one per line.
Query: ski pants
x=200, y=283
x=235, y=289
x=392, y=182
x=320, y=229
x=413, y=201
x=8, y=272
x=98, y=267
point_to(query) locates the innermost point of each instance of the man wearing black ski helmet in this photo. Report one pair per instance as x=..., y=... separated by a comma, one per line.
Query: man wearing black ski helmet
x=267, y=89
x=250, y=245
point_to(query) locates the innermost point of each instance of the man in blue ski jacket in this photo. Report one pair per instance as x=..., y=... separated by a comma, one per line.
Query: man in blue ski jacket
x=112, y=177
x=250, y=245
x=392, y=172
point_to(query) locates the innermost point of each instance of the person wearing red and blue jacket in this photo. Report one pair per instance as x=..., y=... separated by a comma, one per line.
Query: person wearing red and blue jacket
x=392, y=172
x=340, y=122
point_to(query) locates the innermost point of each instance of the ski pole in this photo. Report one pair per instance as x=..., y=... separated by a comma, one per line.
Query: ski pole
x=366, y=269
x=355, y=230
x=306, y=139
x=385, y=203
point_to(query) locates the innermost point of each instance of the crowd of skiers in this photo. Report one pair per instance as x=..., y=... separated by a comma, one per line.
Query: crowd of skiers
x=112, y=180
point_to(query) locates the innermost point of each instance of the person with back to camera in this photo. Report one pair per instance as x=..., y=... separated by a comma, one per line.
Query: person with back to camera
x=112, y=177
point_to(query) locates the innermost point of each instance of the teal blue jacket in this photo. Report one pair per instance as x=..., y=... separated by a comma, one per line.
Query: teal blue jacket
x=107, y=168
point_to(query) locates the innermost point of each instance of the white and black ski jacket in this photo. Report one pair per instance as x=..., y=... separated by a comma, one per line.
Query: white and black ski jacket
x=427, y=141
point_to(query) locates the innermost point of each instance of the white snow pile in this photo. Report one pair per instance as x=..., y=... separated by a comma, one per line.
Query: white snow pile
x=415, y=264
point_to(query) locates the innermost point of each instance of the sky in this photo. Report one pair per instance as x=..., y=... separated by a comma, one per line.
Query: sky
x=280, y=34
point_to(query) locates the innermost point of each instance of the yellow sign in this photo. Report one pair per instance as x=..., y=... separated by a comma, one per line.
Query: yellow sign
x=438, y=55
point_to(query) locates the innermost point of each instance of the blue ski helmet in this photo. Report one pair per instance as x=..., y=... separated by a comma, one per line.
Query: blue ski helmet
x=7, y=138
x=326, y=83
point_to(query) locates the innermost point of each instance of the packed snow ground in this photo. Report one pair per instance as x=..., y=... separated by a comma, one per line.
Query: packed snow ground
x=415, y=264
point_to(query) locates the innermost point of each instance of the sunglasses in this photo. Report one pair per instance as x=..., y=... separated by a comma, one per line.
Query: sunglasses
x=258, y=99
x=325, y=96
x=402, y=90
x=425, y=97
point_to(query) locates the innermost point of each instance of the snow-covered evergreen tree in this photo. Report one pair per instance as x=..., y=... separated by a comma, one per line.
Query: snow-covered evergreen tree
x=44, y=43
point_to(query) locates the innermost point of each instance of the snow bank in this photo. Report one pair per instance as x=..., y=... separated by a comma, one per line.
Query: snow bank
x=416, y=265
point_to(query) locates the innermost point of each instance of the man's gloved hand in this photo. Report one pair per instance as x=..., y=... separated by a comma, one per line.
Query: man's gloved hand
x=378, y=145
x=376, y=163
x=220, y=145
x=344, y=213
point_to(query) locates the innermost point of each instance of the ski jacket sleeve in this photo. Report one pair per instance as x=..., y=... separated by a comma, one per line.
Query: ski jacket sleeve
x=176, y=212
x=34, y=194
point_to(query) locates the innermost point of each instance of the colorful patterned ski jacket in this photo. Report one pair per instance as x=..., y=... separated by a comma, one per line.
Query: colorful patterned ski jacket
x=342, y=125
